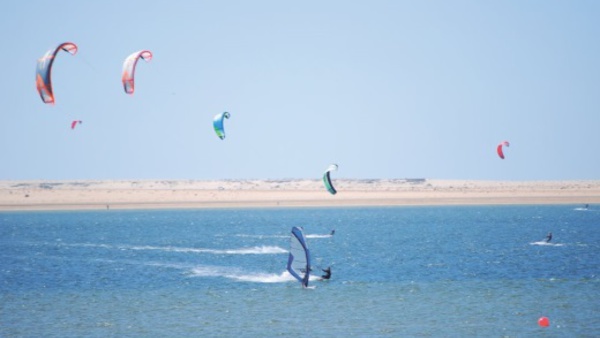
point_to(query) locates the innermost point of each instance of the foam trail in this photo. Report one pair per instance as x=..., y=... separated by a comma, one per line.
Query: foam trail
x=256, y=250
x=544, y=243
x=318, y=236
x=263, y=277
x=261, y=236
x=87, y=245
x=241, y=276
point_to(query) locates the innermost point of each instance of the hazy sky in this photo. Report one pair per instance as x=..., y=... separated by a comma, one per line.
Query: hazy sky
x=385, y=89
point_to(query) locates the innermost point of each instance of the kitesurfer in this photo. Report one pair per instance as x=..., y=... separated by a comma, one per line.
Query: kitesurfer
x=549, y=237
x=327, y=274
x=332, y=232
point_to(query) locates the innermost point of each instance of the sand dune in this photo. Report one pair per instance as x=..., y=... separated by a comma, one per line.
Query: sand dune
x=150, y=194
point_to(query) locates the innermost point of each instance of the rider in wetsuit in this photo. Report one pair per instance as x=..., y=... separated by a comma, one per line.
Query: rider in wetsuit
x=549, y=237
x=327, y=274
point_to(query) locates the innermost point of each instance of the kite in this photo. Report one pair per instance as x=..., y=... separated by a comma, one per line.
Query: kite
x=43, y=76
x=129, y=68
x=499, y=149
x=327, y=179
x=218, y=124
x=75, y=123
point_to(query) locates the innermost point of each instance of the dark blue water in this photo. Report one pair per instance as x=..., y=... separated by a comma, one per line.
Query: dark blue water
x=403, y=271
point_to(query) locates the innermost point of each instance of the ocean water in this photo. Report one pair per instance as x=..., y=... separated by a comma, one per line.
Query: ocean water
x=479, y=271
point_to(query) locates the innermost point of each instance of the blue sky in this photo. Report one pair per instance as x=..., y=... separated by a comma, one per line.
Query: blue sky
x=385, y=89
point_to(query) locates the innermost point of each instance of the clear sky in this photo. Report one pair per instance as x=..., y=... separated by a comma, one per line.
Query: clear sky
x=385, y=89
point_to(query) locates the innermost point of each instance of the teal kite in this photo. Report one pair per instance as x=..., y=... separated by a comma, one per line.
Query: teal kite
x=327, y=178
x=218, y=124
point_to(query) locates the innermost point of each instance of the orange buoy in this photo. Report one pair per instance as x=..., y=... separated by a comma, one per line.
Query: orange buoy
x=544, y=321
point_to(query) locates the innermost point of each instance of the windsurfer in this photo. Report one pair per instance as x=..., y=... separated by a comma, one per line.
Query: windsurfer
x=548, y=237
x=327, y=274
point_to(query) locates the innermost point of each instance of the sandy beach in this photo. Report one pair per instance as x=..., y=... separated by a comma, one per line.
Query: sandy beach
x=165, y=194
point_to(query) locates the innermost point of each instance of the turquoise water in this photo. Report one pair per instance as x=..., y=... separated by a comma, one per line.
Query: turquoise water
x=396, y=272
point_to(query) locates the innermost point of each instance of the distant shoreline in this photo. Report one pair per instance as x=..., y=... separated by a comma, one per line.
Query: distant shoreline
x=191, y=194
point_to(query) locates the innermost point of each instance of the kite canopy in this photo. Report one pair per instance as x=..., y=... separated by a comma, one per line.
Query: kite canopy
x=499, y=149
x=75, y=123
x=43, y=76
x=218, y=124
x=327, y=179
x=129, y=69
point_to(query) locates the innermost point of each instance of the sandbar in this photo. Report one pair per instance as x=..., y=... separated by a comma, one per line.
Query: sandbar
x=181, y=194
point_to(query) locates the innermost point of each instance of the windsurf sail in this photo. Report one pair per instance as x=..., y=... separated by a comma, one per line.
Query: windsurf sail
x=299, y=260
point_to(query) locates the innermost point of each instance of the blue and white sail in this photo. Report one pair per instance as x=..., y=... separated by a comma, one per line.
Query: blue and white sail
x=218, y=124
x=299, y=260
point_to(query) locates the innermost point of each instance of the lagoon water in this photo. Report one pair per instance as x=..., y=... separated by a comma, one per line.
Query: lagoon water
x=477, y=271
